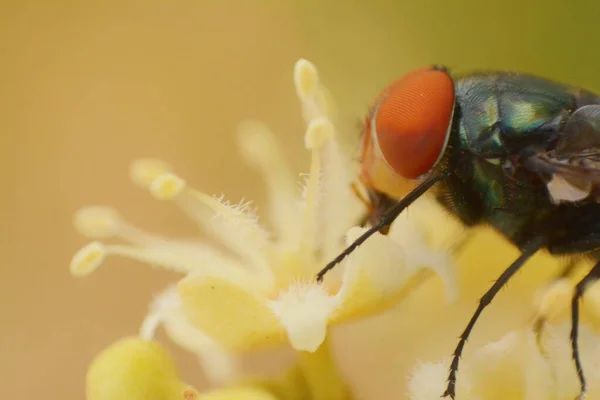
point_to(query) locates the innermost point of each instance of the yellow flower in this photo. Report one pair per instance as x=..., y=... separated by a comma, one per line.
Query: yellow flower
x=517, y=367
x=255, y=288
x=533, y=360
x=138, y=369
x=135, y=369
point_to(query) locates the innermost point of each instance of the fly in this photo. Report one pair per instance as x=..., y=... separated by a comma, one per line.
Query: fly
x=518, y=152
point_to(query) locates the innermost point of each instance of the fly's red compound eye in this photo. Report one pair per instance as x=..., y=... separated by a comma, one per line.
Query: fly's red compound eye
x=412, y=121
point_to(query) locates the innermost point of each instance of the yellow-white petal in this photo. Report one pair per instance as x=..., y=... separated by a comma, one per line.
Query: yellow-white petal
x=558, y=349
x=514, y=368
x=427, y=249
x=428, y=382
x=591, y=299
x=511, y=368
x=555, y=300
x=304, y=310
x=219, y=366
x=434, y=226
x=374, y=276
x=234, y=314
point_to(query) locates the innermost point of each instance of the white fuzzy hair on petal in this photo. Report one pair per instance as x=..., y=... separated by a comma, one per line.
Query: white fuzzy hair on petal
x=304, y=311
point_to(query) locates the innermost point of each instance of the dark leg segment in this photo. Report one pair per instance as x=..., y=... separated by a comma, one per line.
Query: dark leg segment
x=385, y=221
x=533, y=247
x=593, y=275
x=540, y=322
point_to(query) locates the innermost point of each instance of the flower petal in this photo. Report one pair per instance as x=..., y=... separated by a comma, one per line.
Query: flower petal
x=592, y=299
x=429, y=233
x=375, y=275
x=558, y=347
x=426, y=222
x=511, y=368
x=237, y=316
x=554, y=301
x=219, y=366
x=428, y=382
x=304, y=311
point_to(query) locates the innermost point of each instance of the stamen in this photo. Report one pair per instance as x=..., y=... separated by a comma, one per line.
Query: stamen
x=173, y=255
x=144, y=171
x=260, y=148
x=310, y=93
x=88, y=259
x=97, y=221
x=167, y=186
x=306, y=79
x=235, y=226
x=317, y=133
x=100, y=222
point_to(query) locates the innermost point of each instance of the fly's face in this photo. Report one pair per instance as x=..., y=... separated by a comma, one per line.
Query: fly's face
x=407, y=130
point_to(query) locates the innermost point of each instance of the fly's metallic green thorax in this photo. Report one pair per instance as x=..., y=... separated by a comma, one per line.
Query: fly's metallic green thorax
x=498, y=115
x=499, y=107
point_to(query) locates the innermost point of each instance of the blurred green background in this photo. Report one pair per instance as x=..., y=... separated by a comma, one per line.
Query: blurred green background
x=86, y=87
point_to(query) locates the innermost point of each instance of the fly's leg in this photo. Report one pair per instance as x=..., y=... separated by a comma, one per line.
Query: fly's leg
x=592, y=276
x=578, y=232
x=540, y=320
x=533, y=247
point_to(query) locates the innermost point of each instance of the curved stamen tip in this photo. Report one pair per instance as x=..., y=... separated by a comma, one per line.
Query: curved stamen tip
x=96, y=221
x=144, y=171
x=319, y=130
x=306, y=78
x=88, y=259
x=167, y=186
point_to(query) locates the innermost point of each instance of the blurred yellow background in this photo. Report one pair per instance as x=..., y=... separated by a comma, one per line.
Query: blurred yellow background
x=87, y=87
